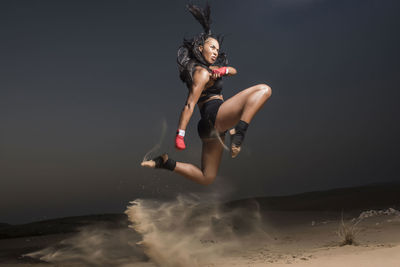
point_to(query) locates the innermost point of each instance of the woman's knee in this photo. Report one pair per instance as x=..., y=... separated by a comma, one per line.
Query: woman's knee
x=208, y=179
x=265, y=90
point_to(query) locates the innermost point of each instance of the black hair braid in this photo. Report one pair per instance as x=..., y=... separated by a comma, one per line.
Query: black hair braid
x=201, y=15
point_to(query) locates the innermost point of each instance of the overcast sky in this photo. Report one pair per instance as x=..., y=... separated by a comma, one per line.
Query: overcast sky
x=86, y=85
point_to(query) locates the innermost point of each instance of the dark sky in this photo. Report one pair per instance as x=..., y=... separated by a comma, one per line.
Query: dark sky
x=86, y=85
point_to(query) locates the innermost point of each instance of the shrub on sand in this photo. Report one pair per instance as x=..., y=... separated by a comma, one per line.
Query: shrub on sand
x=347, y=231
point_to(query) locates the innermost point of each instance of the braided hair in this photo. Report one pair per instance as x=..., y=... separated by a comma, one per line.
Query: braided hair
x=189, y=55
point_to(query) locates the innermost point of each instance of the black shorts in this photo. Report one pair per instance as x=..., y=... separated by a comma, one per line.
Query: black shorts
x=208, y=113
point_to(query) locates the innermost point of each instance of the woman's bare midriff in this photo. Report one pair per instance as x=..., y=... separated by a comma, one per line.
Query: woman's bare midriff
x=209, y=99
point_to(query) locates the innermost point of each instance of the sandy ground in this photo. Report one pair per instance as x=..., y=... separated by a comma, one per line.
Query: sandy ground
x=344, y=256
x=292, y=239
x=378, y=244
x=298, y=230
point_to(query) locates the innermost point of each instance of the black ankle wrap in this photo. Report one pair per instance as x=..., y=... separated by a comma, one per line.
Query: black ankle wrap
x=240, y=129
x=168, y=165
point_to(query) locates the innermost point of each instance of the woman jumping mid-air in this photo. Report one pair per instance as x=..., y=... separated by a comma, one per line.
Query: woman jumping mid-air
x=202, y=66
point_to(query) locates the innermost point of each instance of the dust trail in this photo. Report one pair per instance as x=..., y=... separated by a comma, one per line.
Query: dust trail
x=187, y=232
x=95, y=245
x=215, y=132
x=157, y=146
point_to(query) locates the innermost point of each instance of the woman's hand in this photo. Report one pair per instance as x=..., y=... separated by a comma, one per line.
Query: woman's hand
x=215, y=75
x=219, y=72
x=179, y=141
x=223, y=71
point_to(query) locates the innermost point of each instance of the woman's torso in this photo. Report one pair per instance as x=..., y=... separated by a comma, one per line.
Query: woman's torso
x=212, y=89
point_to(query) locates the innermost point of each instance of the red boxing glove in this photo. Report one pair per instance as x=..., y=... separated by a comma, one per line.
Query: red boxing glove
x=222, y=71
x=179, y=142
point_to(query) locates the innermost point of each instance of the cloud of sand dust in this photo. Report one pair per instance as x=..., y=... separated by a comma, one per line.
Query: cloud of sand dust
x=97, y=246
x=188, y=232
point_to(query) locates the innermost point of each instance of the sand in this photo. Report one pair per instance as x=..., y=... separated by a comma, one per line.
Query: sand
x=306, y=244
x=378, y=244
x=188, y=233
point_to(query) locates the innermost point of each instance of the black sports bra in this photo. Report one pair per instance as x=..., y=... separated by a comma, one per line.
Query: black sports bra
x=215, y=89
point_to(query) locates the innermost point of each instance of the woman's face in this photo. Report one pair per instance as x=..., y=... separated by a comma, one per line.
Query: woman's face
x=210, y=50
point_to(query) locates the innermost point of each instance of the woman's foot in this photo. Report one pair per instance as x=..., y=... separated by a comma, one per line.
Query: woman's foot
x=237, y=137
x=156, y=162
x=235, y=149
x=162, y=162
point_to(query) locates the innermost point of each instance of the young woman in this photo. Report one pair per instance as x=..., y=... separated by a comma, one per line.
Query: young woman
x=202, y=66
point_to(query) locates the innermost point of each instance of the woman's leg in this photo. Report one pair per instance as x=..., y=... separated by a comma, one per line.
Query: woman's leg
x=242, y=106
x=210, y=161
x=238, y=111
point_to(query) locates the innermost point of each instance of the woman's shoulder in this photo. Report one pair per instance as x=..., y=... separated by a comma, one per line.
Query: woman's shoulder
x=200, y=75
x=201, y=69
x=201, y=65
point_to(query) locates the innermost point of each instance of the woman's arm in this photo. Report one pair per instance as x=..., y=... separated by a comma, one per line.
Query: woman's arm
x=200, y=78
x=231, y=71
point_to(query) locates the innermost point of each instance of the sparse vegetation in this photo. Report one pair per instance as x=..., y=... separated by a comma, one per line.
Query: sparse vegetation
x=347, y=232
